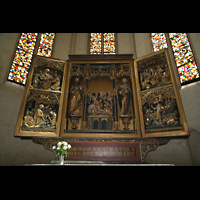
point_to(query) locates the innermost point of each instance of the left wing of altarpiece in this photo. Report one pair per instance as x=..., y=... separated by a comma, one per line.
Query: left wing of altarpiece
x=40, y=112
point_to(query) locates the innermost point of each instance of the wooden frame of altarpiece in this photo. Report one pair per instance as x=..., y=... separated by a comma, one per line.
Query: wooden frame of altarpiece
x=103, y=98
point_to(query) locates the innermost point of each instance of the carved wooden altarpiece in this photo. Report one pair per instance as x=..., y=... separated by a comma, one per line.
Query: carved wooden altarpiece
x=108, y=107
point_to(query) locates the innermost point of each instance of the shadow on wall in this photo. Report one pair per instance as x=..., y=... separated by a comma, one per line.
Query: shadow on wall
x=194, y=146
x=180, y=152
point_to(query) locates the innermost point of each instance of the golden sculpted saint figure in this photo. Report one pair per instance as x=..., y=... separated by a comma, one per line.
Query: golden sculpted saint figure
x=46, y=77
x=29, y=121
x=38, y=117
x=76, y=99
x=52, y=118
x=157, y=109
x=37, y=80
x=124, y=95
x=56, y=82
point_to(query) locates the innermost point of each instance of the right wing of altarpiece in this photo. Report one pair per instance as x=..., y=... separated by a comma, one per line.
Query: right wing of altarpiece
x=160, y=107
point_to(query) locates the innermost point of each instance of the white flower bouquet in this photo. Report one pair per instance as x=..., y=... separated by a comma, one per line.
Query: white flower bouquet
x=62, y=148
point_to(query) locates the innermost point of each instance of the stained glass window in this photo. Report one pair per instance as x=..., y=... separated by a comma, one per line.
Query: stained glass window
x=95, y=43
x=22, y=59
x=109, y=43
x=184, y=57
x=46, y=44
x=102, y=43
x=159, y=41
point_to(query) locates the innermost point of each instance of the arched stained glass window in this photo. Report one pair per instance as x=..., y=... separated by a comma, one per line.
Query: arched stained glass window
x=109, y=43
x=184, y=57
x=22, y=59
x=102, y=43
x=158, y=41
x=46, y=44
x=95, y=43
x=23, y=55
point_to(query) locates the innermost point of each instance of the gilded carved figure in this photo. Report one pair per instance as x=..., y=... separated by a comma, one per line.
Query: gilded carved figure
x=47, y=78
x=28, y=120
x=52, y=118
x=76, y=99
x=56, y=82
x=39, y=117
x=124, y=96
x=37, y=80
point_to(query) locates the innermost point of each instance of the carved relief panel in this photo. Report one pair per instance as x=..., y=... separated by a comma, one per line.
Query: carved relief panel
x=40, y=113
x=160, y=106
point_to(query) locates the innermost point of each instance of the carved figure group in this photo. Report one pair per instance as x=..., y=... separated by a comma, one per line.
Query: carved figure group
x=154, y=76
x=161, y=112
x=39, y=119
x=100, y=104
x=46, y=80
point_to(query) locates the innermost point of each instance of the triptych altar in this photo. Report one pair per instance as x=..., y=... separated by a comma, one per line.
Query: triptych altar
x=108, y=107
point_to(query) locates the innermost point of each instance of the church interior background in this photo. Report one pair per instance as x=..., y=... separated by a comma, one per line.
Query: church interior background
x=89, y=73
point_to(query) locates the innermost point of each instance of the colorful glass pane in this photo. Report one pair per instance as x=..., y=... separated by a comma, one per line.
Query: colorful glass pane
x=23, y=56
x=158, y=41
x=184, y=57
x=109, y=43
x=95, y=43
x=178, y=40
x=46, y=44
x=188, y=72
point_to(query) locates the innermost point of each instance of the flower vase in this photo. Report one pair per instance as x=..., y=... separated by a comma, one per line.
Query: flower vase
x=61, y=160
